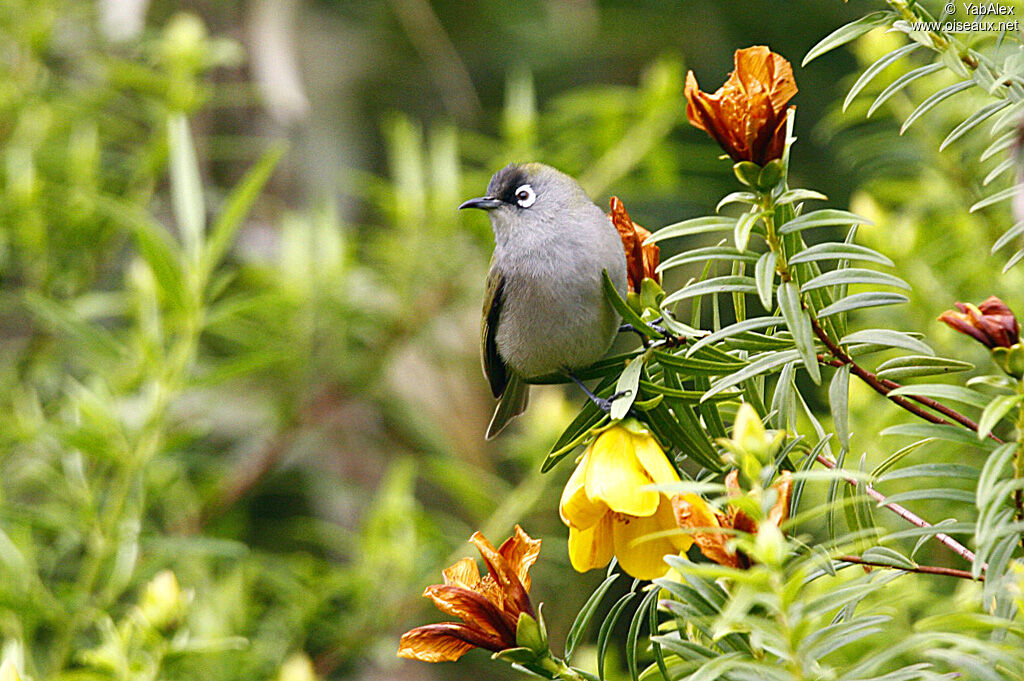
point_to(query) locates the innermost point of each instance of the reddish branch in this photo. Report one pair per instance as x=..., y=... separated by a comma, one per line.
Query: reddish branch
x=922, y=569
x=904, y=513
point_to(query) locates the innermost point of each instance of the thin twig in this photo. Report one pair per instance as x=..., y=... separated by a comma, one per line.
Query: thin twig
x=904, y=513
x=922, y=569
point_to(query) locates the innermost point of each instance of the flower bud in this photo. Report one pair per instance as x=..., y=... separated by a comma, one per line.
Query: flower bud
x=162, y=603
x=530, y=634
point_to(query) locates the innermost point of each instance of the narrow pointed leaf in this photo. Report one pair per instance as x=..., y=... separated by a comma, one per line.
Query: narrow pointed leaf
x=836, y=251
x=889, y=338
x=972, y=121
x=848, y=33
x=913, y=366
x=701, y=225
x=855, y=275
x=825, y=217
x=838, y=401
x=995, y=411
x=902, y=82
x=876, y=68
x=859, y=301
x=764, y=277
x=738, y=284
x=799, y=324
x=934, y=99
x=759, y=366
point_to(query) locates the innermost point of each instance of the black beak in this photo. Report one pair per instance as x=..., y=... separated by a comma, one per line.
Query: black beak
x=484, y=203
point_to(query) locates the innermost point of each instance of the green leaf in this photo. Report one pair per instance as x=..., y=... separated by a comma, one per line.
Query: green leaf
x=629, y=380
x=733, y=330
x=876, y=68
x=738, y=284
x=94, y=338
x=887, y=556
x=238, y=204
x=632, y=636
x=972, y=121
x=605, y=632
x=1008, y=235
x=944, y=391
x=888, y=338
x=696, y=365
x=764, y=277
x=942, y=432
x=934, y=99
x=1014, y=259
x=838, y=400
x=628, y=314
x=741, y=233
x=995, y=411
x=835, y=251
x=585, y=614
x=932, y=470
x=703, y=225
x=736, y=197
x=901, y=82
x=848, y=33
x=799, y=324
x=794, y=195
x=709, y=253
x=854, y=275
x=826, y=217
x=186, y=187
x=944, y=493
x=858, y=301
x=998, y=170
x=898, y=455
x=913, y=366
x=762, y=364
x=1002, y=195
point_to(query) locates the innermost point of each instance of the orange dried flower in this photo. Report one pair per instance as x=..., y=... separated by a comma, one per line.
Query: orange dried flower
x=747, y=115
x=991, y=323
x=488, y=606
x=693, y=513
x=641, y=260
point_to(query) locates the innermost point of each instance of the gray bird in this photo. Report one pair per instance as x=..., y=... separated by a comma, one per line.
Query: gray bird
x=544, y=311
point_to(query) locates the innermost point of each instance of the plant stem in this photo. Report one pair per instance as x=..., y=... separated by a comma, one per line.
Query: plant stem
x=559, y=669
x=905, y=513
x=922, y=569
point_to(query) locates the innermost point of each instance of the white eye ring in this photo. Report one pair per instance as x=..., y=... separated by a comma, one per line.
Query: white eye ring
x=525, y=196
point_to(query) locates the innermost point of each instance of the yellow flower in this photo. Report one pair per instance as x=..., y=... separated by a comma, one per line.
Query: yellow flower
x=610, y=509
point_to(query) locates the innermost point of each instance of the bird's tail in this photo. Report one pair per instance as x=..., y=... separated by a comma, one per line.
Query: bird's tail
x=512, y=404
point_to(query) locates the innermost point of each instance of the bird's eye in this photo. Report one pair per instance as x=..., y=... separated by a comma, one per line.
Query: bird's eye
x=525, y=196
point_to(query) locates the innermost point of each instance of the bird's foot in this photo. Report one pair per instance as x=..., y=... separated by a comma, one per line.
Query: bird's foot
x=602, y=403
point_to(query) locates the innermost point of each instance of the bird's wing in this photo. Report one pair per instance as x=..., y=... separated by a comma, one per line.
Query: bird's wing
x=494, y=366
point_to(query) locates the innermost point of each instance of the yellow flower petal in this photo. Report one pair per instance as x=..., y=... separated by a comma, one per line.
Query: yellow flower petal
x=591, y=548
x=640, y=555
x=613, y=474
x=652, y=457
x=576, y=508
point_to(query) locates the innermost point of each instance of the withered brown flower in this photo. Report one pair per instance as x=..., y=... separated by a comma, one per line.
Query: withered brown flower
x=747, y=115
x=711, y=529
x=641, y=260
x=488, y=606
x=991, y=323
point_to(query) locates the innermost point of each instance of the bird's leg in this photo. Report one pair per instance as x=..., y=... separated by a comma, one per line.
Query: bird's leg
x=629, y=327
x=602, y=403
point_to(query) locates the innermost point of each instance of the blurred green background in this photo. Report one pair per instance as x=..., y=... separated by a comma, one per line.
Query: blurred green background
x=301, y=440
